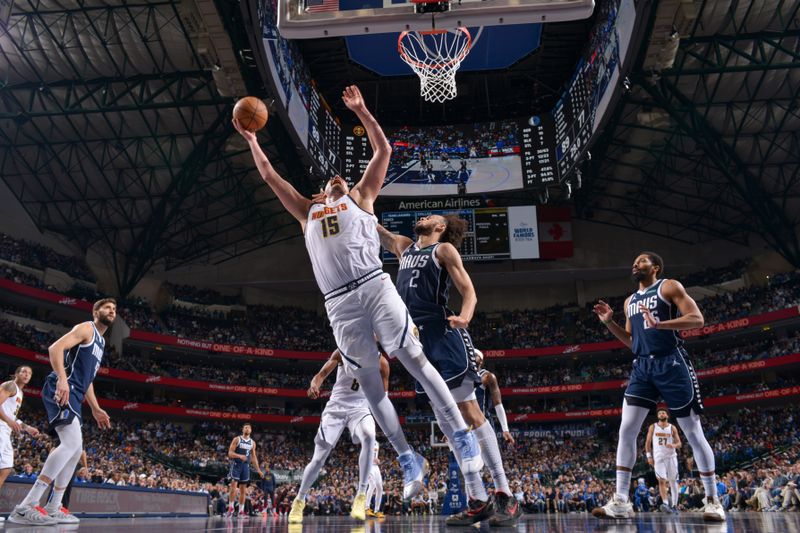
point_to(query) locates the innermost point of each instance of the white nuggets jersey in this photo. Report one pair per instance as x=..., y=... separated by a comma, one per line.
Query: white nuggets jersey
x=346, y=394
x=11, y=407
x=662, y=437
x=343, y=243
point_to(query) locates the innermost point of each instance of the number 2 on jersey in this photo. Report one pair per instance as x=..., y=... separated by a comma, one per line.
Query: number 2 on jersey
x=330, y=226
x=414, y=275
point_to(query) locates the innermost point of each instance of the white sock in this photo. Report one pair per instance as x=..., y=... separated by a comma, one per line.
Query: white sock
x=365, y=459
x=382, y=409
x=710, y=486
x=623, y=484
x=490, y=451
x=34, y=495
x=673, y=493
x=474, y=485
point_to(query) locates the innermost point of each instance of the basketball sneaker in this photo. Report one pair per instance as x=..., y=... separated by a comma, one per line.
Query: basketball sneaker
x=296, y=514
x=713, y=511
x=666, y=509
x=468, y=450
x=62, y=515
x=476, y=511
x=414, y=469
x=615, y=508
x=29, y=515
x=506, y=510
x=359, y=509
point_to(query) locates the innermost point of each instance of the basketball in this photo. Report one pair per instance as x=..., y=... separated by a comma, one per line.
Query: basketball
x=251, y=113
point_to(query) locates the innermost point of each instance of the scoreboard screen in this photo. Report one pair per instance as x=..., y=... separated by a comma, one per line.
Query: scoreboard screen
x=448, y=160
x=492, y=232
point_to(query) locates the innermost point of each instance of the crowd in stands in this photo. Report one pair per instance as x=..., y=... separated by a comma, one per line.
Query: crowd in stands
x=547, y=473
x=41, y=257
x=472, y=141
x=200, y=295
x=715, y=275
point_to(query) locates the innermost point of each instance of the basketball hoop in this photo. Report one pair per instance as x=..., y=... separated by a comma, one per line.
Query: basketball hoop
x=435, y=56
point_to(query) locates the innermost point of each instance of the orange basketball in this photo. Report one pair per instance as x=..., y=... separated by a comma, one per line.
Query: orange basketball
x=251, y=113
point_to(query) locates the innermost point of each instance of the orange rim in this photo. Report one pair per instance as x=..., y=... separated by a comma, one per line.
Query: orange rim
x=419, y=64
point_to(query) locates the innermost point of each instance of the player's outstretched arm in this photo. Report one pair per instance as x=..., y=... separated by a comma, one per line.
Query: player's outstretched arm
x=292, y=200
x=322, y=375
x=448, y=255
x=606, y=316
x=254, y=460
x=102, y=418
x=368, y=188
x=648, y=444
x=393, y=242
x=490, y=383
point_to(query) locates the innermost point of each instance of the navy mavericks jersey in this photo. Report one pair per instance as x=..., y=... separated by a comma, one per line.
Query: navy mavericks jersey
x=483, y=396
x=81, y=363
x=244, y=447
x=649, y=341
x=423, y=284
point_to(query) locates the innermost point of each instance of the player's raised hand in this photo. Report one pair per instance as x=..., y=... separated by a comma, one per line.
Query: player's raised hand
x=249, y=136
x=319, y=198
x=102, y=418
x=603, y=311
x=62, y=391
x=352, y=98
x=313, y=390
x=650, y=320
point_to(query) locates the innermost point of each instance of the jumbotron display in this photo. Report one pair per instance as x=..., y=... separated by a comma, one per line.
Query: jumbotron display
x=492, y=232
x=531, y=152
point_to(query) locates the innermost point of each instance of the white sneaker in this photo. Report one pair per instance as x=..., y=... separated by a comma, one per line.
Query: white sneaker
x=28, y=515
x=713, y=511
x=62, y=515
x=468, y=451
x=615, y=508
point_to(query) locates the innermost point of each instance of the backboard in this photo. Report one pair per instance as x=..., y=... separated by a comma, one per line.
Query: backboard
x=314, y=19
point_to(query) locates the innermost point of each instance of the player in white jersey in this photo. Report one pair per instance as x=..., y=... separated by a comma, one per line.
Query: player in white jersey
x=662, y=445
x=342, y=241
x=10, y=403
x=375, y=485
x=346, y=407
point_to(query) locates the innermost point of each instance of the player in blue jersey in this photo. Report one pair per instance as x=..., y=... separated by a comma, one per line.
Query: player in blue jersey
x=428, y=267
x=242, y=453
x=488, y=395
x=75, y=359
x=653, y=317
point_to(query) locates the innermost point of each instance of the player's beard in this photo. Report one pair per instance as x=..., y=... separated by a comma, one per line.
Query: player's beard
x=105, y=320
x=638, y=276
x=423, y=230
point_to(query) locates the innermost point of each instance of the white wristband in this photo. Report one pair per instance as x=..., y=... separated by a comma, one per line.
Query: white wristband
x=500, y=411
x=649, y=455
x=20, y=422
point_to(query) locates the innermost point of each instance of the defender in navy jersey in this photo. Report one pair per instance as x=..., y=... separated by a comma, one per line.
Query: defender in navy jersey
x=428, y=267
x=653, y=316
x=242, y=453
x=75, y=358
x=488, y=395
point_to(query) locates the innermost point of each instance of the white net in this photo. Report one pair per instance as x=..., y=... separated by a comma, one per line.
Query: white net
x=435, y=56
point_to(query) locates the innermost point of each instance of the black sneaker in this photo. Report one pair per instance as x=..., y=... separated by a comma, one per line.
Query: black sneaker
x=477, y=511
x=506, y=510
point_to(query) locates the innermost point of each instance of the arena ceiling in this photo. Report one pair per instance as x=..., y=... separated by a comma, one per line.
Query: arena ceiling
x=115, y=132
x=707, y=147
